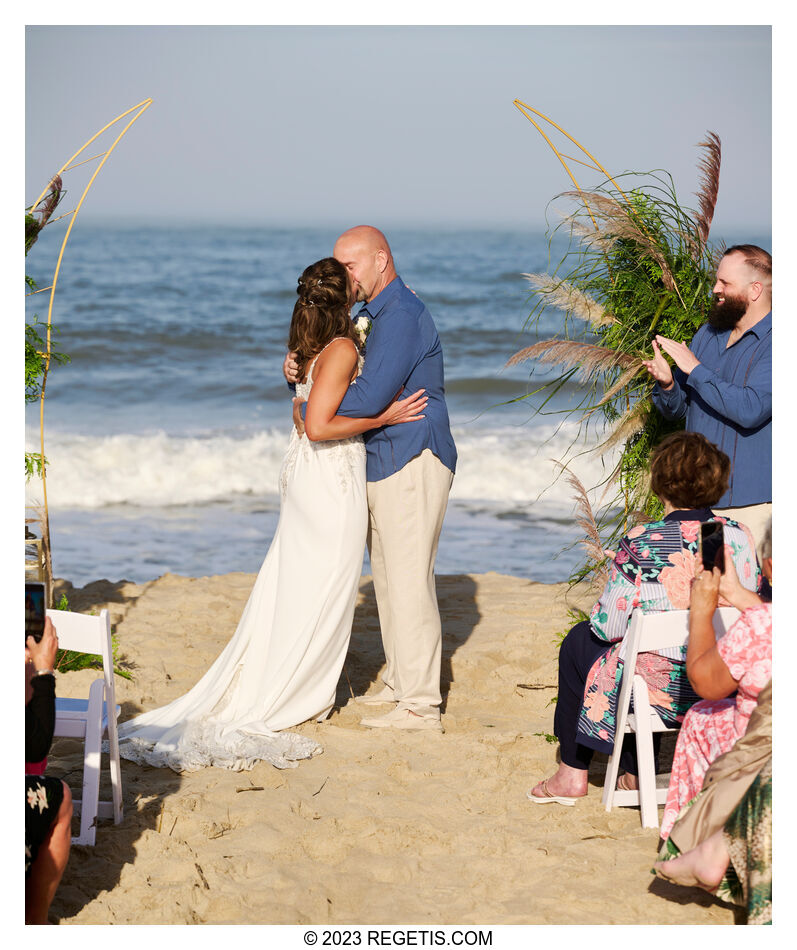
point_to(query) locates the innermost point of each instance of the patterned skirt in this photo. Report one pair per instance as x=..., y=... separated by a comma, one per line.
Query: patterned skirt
x=747, y=835
x=43, y=798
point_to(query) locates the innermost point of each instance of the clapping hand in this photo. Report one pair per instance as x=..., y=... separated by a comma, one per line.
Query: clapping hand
x=680, y=353
x=659, y=368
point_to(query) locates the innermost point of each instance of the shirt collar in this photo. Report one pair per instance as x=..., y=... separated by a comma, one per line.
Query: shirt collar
x=763, y=326
x=760, y=329
x=378, y=303
x=689, y=514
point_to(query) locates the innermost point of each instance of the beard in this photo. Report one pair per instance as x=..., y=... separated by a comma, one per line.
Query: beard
x=725, y=316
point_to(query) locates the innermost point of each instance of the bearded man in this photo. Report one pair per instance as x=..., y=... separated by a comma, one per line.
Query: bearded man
x=722, y=382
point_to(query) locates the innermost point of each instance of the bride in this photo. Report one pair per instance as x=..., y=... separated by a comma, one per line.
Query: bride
x=283, y=663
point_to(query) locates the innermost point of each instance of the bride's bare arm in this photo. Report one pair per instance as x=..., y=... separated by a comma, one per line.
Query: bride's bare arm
x=332, y=375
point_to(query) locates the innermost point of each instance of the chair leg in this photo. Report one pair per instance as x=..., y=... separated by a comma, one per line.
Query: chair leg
x=644, y=745
x=92, y=762
x=115, y=768
x=610, y=781
x=613, y=765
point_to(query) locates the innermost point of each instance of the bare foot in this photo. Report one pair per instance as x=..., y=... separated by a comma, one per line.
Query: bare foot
x=703, y=866
x=628, y=782
x=566, y=781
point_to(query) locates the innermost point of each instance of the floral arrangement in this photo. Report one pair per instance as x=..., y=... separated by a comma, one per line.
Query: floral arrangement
x=637, y=263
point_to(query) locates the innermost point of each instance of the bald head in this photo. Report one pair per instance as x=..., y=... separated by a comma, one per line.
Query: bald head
x=365, y=253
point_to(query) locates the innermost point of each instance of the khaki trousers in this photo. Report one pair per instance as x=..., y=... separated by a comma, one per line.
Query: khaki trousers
x=755, y=517
x=406, y=514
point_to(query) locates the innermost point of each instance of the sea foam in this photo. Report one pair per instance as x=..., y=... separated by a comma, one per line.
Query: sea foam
x=510, y=465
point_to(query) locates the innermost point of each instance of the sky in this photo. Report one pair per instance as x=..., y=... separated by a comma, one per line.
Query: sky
x=394, y=125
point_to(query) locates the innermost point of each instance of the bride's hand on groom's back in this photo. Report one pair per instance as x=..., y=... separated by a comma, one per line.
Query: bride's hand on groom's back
x=404, y=410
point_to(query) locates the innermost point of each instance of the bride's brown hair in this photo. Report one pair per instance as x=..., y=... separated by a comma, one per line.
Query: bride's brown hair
x=322, y=311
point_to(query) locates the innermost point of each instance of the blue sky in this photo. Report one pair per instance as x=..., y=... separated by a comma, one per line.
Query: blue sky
x=395, y=125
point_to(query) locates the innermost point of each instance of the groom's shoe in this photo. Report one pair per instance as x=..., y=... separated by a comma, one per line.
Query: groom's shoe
x=403, y=718
x=384, y=696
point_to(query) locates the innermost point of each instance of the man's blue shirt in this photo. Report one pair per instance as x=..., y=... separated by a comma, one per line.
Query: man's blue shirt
x=728, y=399
x=403, y=349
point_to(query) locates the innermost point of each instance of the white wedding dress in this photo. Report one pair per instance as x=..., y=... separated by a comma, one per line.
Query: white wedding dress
x=283, y=663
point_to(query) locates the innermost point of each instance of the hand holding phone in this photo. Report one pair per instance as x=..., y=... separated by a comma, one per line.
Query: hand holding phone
x=712, y=546
x=42, y=653
x=34, y=610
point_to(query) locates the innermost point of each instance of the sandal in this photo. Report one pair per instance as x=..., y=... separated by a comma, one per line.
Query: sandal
x=623, y=784
x=550, y=797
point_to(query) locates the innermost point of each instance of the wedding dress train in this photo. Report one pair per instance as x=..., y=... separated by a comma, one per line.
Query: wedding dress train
x=283, y=663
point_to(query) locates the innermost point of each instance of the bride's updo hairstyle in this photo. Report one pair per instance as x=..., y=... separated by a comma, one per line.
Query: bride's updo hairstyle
x=322, y=311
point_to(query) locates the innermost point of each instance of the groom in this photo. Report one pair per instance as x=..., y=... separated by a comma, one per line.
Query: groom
x=409, y=471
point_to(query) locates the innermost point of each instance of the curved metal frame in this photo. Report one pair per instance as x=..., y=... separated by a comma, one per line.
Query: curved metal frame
x=138, y=109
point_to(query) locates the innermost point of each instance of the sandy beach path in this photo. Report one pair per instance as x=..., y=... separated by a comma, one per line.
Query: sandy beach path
x=383, y=827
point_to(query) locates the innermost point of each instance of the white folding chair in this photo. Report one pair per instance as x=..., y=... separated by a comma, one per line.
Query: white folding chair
x=648, y=632
x=91, y=719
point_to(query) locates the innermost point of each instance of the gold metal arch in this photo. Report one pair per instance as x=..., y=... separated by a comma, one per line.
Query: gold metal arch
x=593, y=162
x=135, y=111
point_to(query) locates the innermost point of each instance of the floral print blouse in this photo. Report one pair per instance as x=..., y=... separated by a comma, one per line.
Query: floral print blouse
x=653, y=570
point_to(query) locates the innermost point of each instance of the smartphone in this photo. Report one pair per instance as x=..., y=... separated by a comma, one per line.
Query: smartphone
x=34, y=610
x=712, y=545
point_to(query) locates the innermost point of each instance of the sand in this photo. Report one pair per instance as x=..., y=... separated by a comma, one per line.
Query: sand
x=385, y=827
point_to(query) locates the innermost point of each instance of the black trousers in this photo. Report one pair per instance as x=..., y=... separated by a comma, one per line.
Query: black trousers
x=578, y=653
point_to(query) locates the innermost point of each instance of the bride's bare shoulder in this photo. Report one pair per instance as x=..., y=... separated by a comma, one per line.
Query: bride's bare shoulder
x=339, y=354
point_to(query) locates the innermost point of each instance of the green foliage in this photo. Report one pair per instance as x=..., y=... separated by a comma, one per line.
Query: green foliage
x=35, y=358
x=68, y=661
x=32, y=228
x=641, y=265
x=547, y=736
x=34, y=464
x=575, y=615
x=36, y=363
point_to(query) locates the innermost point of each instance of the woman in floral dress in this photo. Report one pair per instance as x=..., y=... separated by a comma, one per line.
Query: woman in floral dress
x=740, y=662
x=653, y=570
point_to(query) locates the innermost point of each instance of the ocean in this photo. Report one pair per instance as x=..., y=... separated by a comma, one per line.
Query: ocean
x=165, y=433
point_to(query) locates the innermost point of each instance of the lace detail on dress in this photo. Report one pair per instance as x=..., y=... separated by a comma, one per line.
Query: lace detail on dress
x=346, y=455
x=202, y=744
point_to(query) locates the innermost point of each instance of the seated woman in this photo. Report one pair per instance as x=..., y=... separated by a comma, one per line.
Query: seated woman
x=722, y=842
x=48, y=801
x=740, y=662
x=652, y=569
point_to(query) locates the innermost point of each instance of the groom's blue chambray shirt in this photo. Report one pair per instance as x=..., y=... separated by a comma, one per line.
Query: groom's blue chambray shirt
x=402, y=349
x=728, y=399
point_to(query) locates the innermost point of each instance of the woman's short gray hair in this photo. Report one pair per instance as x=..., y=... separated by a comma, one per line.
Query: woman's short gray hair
x=766, y=541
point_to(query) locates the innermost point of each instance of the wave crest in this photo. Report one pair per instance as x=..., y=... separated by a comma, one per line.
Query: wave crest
x=508, y=465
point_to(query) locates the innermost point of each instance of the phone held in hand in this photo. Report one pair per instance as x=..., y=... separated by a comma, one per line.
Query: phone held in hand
x=34, y=610
x=712, y=546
